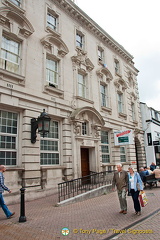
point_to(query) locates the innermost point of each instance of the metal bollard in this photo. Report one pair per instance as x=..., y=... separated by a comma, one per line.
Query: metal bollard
x=22, y=217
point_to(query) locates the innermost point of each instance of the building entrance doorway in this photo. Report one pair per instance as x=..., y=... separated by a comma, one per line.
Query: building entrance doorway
x=85, y=169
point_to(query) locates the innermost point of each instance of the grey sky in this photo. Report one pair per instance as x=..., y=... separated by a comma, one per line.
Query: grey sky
x=134, y=25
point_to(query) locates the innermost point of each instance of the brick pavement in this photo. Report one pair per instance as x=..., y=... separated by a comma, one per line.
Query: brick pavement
x=99, y=215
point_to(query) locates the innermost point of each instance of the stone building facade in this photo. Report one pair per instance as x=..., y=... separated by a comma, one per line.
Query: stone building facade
x=55, y=57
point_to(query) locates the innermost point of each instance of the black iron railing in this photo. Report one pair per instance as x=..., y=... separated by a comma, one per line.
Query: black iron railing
x=81, y=185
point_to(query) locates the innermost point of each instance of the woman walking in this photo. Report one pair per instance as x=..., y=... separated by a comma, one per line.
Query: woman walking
x=135, y=186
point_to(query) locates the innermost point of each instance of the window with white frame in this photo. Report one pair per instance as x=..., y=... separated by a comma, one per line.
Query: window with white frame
x=117, y=66
x=133, y=111
x=104, y=93
x=79, y=40
x=50, y=146
x=17, y=2
x=100, y=54
x=8, y=138
x=157, y=116
x=52, y=72
x=52, y=21
x=105, y=147
x=122, y=154
x=81, y=85
x=10, y=55
x=120, y=102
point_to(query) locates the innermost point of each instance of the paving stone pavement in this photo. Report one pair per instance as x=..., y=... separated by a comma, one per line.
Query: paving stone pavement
x=95, y=218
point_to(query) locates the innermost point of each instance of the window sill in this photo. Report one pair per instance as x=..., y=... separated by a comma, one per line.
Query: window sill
x=118, y=74
x=56, y=91
x=54, y=32
x=106, y=109
x=14, y=168
x=122, y=115
x=80, y=50
x=135, y=122
x=45, y=167
x=84, y=99
x=10, y=76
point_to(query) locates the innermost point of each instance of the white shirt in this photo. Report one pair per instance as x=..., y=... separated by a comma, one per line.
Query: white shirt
x=131, y=179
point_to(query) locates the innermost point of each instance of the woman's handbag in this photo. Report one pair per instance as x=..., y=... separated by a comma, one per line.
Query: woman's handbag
x=143, y=199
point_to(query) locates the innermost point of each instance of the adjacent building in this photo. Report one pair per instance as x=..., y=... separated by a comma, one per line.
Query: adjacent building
x=55, y=57
x=151, y=127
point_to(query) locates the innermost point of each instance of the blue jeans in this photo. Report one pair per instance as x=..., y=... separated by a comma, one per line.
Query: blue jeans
x=135, y=195
x=4, y=206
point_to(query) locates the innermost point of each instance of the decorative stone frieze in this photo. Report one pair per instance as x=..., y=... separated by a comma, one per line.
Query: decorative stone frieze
x=15, y=22
x=50, y=40
x=82, y=59
x=120, y=84
x=106, y=73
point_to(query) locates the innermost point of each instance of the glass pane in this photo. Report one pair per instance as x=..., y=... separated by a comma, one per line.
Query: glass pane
x=105, y=149
x=122, y=150
x=105, y=158
x=104, y=137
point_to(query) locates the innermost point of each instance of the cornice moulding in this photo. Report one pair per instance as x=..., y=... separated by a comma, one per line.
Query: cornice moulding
x=78, y=14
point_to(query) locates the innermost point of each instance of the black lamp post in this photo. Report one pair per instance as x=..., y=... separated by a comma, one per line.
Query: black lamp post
x=42, y=123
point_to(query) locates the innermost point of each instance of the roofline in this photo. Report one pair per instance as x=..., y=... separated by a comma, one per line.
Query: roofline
x=78, y=14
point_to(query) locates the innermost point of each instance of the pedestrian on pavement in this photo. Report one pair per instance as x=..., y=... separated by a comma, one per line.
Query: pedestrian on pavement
x=120, y=180
x=157, y=173
x=146, y=170
x=152, y=166
x=2, y=188
x=135, y=186
x=143, y=175
x=149, y=171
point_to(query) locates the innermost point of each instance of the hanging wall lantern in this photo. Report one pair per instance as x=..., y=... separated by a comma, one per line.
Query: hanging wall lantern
x=43, y=125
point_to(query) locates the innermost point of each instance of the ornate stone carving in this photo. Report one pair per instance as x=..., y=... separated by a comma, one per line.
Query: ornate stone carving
x=77, y=128
x=16, y=22
x=97, y=130
x=120, y=84
x=82, y=59
x=50, y=40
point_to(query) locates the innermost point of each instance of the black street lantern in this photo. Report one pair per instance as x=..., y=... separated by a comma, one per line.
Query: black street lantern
x=42, y=123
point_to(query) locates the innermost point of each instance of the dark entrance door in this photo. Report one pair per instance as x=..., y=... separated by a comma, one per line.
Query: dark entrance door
x=85, y=164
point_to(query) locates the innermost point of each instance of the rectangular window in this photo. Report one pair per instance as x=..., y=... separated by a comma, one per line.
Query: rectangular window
x=8, y=138
x=100, y=54
x=133, y=111
x=81, y=86
x=10, y=55
x=50, y=146
x=103, y=90
x=120, y=102
x=156, y=116
x=105, y=147
x=122, y=154
x=17, y=2
x=117, y=67
x=51, y=21
x=52, y=72
x=79, y=40
x=84, y=128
